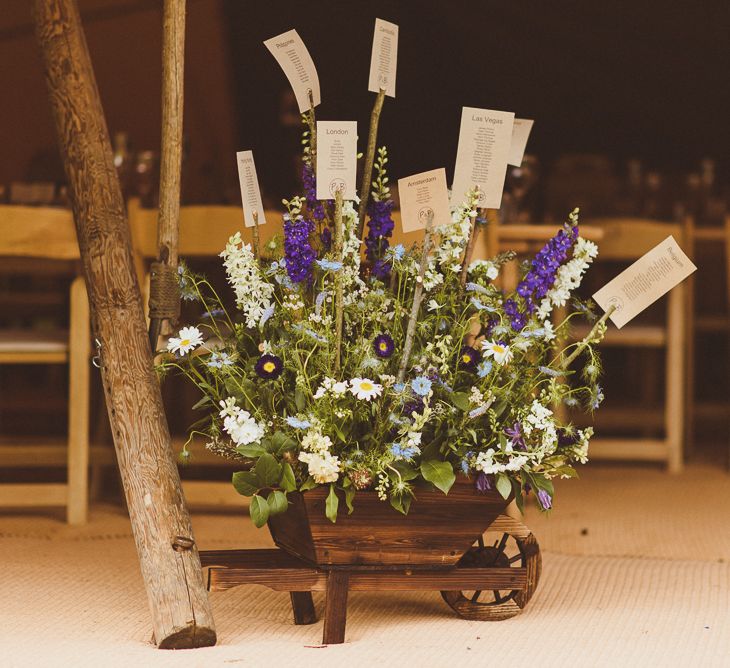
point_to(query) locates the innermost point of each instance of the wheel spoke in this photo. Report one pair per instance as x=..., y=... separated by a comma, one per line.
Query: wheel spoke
x=502, y=543
x=481, y=541
x=475, y=596
x=497, y=596
x=517, y=557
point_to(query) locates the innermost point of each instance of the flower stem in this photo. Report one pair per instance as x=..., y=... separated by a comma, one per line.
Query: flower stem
x=256, y=234
x=367, y=172
x=312, y=134
x=339, y=292
x=469, y=246
x=417, y=298
x=588, y=338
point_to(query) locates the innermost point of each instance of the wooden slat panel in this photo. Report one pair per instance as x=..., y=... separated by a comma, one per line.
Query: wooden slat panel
x=209, y=494
x=635, y=449
x=646, y=336
x=41, y=454
x=31, y=231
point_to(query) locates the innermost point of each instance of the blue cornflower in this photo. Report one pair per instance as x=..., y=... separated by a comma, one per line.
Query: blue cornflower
x=219, y=360
x=213, y=313
x=482, y=307
x=476, y=412
x=297, y=423
x=329, y=265
x=396, y=252
x=399, y=387
x=549, y=372
x=268, y=312
x=484, y=368
x=475, y=287
x=421, y=385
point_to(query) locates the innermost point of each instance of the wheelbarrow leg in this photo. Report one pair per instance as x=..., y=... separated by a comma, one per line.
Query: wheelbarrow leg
x=303, y=607
x=335, y=610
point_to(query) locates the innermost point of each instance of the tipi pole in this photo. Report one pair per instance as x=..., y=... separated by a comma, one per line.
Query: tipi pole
x=161, y=526
x=164, y=293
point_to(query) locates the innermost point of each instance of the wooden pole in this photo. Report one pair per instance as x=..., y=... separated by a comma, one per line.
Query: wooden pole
x=168, y=556
x=367, y=172
x=164, y=293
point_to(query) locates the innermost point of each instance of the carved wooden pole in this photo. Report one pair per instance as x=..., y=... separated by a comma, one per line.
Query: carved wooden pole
x=164, y=291
x=160, y=522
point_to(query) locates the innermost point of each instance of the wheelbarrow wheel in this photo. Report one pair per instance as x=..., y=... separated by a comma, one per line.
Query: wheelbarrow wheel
x=507, y=544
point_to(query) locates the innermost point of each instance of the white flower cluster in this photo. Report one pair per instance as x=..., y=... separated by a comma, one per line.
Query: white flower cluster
x=569, y=277
x=454, y=237
x=439, y=353
x=323, y=466
x=490, y=269
x=331, y=386
x=239, y=425
x=579, y=451
x=486, y=463
x=354, y=287
x=253, y=293
x=361, y=388
x=540, y=418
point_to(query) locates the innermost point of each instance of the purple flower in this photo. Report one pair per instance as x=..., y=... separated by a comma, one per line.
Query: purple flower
x=309, y=182
x=380, y=229
x=384, y=345
x=515, y=436
x=326, y=238
x=541, y=277
x=413, y=406
x=545, y=500
x=469, y=358
x=269, y=367
x=484, y=483
x=299, y=255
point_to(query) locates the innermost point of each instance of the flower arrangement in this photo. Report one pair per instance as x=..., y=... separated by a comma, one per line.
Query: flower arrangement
x=358, y=365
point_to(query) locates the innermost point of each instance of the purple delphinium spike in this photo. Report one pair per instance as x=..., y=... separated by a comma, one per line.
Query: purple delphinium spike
x=380, y=229
x=309, y=182
x=299, y=255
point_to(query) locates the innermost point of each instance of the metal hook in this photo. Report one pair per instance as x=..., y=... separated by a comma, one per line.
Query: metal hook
x=96, y=359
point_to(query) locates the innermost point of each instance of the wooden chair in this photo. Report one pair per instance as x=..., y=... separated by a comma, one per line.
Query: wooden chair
x=625, y=240
x=45, y=233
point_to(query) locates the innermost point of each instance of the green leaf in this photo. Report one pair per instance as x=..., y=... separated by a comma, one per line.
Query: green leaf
x=205, y=400
x=253, y=450
x=277, y=502
x=461, y=401
x=259, y=510
x=307, y=484
x=245, y=483
x=349, y=496
x=280, y=442
x=288, y=483
x=406, y=470
x=331, y=505
x=440, y=474
x=504, y=486
x=299, y=399
x=268, y=470
x=401, y=502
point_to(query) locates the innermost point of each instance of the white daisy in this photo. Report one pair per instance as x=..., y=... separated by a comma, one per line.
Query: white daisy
x=188, y=339
x=501, y=353
x=364, y=388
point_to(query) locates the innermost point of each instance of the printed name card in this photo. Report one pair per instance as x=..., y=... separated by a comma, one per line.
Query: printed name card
x=336, y=159
x=293, y=57
x=250, y=193
x=650, y=277
x=520, y=134
x=384, y=58
x=421, y=195
x=485, y=138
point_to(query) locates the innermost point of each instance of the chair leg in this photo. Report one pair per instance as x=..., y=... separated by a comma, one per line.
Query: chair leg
x=675, y=387
x=303, y=607
x=335, y=611
x=78, y=406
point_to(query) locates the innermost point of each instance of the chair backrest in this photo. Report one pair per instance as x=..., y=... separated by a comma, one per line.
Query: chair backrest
x=38, y=232
x=630, y=238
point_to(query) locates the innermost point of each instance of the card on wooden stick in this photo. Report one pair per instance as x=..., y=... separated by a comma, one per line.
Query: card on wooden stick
x=250, y=192
x=292, y=55
x=645, y=281
x=336, y=159
x=384, y=58
x=422, y=194
x=520, y=134
x=485, y=137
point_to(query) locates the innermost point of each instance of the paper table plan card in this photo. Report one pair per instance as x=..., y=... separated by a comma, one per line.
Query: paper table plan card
x=336, y=159
x=384, y=58
x=422, y=194
x=250, y=193
x=485, y=137
x=520, y=134
x=293, y=57
x=650, y=277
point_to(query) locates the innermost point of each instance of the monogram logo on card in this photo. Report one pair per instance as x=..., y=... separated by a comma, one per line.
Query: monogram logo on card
x=424, y=213
x=337, y=184
x=616, y=302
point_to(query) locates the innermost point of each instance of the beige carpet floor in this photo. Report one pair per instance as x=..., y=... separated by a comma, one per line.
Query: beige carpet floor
x=636, y=573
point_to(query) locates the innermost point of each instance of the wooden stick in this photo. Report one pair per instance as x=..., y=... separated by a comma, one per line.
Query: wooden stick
x=167, y=552
x=469, y=251
x=417, y=298
x=588, y=338
x=367, y=172
x=339, y=291
x=173, y=58
x=312, y=135
x=256, y=234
